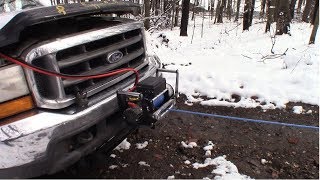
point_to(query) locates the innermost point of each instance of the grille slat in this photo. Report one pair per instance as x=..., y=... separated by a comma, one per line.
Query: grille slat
x=107, y=68
x=106, y=83
x=63, y=63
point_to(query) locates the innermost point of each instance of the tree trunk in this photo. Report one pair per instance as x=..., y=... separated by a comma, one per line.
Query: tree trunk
x=238, y=9
x=173, y=4
x=306, y=11
x=184, y=18
x=193, y=7
x=246, y=14
x=157, y=10
x=263, y=6
x=276, y=5
x=292, y=6
x=219, y=12
x=212, y=8
x=315, y=12
x=269, y=13
x=299, y=6
x=283, y=19
x=312, y=11
x=315, y=26
x=147, y=14
x=229, y=9
x=176, y=18
x=252, y=11
x=165, y=6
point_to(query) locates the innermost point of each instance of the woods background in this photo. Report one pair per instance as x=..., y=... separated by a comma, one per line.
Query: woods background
x=162, y=14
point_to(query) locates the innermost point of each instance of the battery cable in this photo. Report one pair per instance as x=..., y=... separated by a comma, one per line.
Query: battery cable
x=67, y=76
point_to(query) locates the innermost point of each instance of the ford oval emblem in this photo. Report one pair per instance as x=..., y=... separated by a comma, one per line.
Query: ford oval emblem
x=114, y=57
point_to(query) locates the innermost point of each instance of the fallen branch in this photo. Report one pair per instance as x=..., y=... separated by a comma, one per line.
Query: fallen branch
x=273, y=56
x=246, y=56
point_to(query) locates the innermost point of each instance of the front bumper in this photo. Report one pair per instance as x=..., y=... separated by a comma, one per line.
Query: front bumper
x=29, y=146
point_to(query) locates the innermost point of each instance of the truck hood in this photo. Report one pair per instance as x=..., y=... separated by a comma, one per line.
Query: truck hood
x=12, y=23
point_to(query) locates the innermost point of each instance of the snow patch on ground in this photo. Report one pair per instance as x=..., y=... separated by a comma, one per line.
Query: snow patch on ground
x=124, y=145
x=237, y=69
x=143, y=163
x=209, y=147
x=112, y=155
x=263, y=161
x=142, y=145
x=189, y=145
x=170, y=177
x=113, y=167
x=223, y=169
x=309, y=112
x=297, y=109
x=187, y=162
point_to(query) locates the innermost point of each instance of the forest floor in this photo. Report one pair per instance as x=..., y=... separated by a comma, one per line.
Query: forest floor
x=258, y=150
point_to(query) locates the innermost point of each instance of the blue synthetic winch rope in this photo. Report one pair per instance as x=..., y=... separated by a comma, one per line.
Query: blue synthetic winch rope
x=245, y=119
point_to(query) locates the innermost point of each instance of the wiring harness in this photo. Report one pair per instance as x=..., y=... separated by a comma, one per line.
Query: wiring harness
x=67, y=76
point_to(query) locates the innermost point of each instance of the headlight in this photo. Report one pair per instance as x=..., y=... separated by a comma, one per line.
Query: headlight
x=13, y=91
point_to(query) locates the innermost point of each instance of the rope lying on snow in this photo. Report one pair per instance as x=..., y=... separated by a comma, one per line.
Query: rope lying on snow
x=245, y=119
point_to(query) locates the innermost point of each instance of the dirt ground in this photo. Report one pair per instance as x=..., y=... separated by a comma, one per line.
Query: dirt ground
x=290, y=152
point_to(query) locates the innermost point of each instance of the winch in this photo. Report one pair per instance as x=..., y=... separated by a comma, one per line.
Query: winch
x=150, y=101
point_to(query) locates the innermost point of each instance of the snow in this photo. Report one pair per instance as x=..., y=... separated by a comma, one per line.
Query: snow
x=227, y=63
x=263, y=161
x=187, y=162
x=208, y=153
x=170, y=177
x=189, y=145
x=113, y=167
x=123, y=145
x=297, y=109
x=142, y=145
x=112, y=155
x=223, y=169
x=143, y=163
x=209, y=147
x=309, y=112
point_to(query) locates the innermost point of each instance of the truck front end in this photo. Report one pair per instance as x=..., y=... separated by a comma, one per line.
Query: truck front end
x=49, y=122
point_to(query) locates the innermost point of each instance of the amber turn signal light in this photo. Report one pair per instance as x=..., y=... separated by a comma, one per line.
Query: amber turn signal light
x=15, y=106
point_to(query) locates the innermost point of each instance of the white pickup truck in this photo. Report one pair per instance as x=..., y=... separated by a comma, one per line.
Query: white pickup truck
x=48, y=122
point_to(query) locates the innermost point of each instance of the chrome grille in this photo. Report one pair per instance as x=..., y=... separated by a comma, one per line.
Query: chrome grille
x=85, y=57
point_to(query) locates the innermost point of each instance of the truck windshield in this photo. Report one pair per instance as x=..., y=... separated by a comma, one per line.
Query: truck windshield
x=16, y=5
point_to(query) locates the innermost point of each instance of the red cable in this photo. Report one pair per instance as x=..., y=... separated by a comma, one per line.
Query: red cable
x=66, y=76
